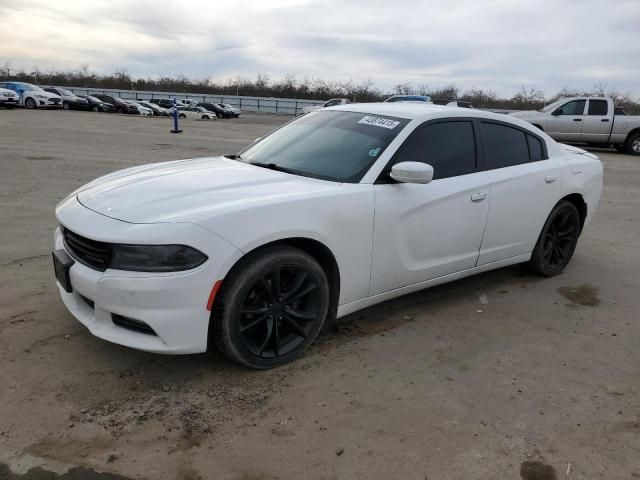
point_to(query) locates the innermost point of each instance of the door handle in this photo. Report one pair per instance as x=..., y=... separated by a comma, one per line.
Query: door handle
x=604, y=120
x=550, y=178
x=478, y=197
x=577, y=119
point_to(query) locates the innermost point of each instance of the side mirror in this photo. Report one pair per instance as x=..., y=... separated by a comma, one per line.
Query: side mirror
x=412, y=172
x=556, y=112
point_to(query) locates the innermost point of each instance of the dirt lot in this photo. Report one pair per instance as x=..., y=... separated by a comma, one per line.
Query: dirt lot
x=500, y=376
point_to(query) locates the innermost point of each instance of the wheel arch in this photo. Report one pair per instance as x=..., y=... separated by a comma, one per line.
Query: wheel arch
x=577, y=200
x=316, y=249
x=631, y=133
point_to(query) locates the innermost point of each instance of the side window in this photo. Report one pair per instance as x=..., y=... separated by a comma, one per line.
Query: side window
x=449, y=147
x=598, y=107
x=572, y=108
x=535, y=148
x=503, y=146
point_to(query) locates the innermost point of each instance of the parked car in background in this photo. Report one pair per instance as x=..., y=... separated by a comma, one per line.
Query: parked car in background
x=196, y=113
x=32, y=96
x=70, y=101
x=459, y=103
x=216, y=108
x=163, y=102
x=121, y=105
x=142, y=110
x=8, y=98
x=157, y=109
x=409, y=98
x=329, y=103
x=590, y=120
x=255, y=252
x=188, y=102
x=98, y=105
x=235, y=110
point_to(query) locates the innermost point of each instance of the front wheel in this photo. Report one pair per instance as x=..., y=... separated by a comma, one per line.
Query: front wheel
x=557, y=241
x=205, y=117
x=633, y=144
x=30, y=103
x=96, y=108
x=272, y=307
x=65, y=106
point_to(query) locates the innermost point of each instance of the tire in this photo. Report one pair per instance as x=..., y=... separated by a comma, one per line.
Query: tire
x=557, y=241
x=182, y=115
x=263, y=323
x=96, y=108
x=205, y=117
x=632, y=145
x=119, y=110
x=65, y=106
x=218, y=115
x=30, y=103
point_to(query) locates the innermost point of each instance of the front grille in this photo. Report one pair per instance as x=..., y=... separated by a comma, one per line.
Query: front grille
x=54, y=100
x=89, y=252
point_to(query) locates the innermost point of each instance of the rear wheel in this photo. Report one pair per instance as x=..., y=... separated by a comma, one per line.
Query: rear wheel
x=633, y=144
x=30, y=103
x=272, y=308
x=557, y=241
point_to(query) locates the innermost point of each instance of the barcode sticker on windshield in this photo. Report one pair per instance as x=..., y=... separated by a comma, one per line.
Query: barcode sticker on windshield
x=379, y=122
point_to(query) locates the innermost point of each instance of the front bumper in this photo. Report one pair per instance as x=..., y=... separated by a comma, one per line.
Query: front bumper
x=173, y=305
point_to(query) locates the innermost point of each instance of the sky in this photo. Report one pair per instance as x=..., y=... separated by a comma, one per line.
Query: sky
x=492, y=44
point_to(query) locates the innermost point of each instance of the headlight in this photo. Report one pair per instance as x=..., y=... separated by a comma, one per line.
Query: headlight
x=155, y=258
x=41, y=96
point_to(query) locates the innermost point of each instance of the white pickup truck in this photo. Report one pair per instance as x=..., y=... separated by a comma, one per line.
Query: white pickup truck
x=590, y=120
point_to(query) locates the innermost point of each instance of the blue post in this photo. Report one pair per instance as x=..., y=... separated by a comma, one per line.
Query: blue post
x=175, y=118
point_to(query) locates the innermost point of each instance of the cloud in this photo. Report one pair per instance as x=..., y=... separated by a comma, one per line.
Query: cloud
x=495, y=44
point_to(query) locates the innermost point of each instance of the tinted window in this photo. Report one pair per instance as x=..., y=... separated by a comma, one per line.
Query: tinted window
x=449, y=147
x=572, y=108
x=331, y=145
x=598, y=107
x=535, y=148
x=503, y=146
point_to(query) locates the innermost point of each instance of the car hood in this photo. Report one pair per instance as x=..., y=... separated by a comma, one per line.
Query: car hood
x=187, y=190
x=42, y=93
x=526, y=114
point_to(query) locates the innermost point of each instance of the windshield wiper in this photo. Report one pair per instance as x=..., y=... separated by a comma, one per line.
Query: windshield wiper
x=276, y=167
x=233, y=156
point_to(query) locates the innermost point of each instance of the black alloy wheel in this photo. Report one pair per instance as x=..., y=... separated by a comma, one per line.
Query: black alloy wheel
x=272, y=308
x=558, y=240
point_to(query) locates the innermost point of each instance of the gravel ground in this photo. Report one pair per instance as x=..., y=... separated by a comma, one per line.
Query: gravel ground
x=502, y=375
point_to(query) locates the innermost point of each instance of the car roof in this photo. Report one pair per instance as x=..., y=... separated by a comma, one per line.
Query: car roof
x=427, y=111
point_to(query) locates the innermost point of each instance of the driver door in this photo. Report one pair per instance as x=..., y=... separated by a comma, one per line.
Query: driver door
x=565, y=122
x=425, y=231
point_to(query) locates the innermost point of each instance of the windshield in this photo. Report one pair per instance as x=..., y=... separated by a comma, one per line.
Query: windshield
x=66, y=93
x=27, y=87
x=553, y=105
x=330, y=145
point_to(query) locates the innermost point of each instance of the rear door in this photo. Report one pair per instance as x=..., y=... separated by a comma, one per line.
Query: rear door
x=597, y=122
x=525, y=185
x=428, y=231
x=565, y=122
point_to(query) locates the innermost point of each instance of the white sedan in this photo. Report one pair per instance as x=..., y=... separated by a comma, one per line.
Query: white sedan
x=336, y=211
x=196, y=113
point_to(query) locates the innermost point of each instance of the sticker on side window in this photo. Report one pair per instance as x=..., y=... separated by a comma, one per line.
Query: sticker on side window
x=379, y=122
